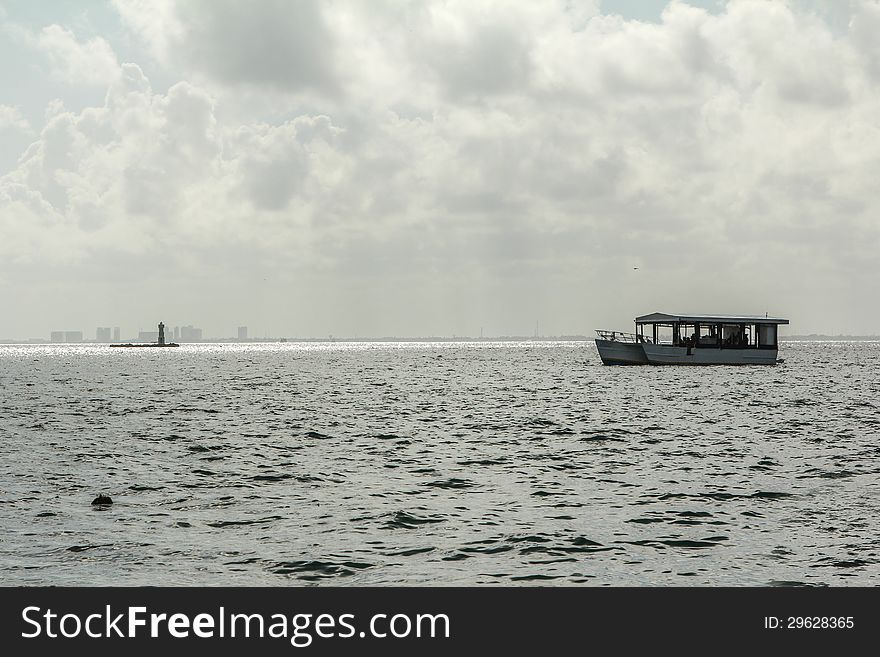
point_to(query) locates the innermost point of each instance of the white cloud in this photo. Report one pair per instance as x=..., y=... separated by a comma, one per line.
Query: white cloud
x=154, y=22
x=11, y=118
x=278, y=44
x=71, y=61
x=152, y=171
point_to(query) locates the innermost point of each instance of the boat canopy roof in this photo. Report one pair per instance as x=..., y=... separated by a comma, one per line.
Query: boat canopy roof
x=671, y=318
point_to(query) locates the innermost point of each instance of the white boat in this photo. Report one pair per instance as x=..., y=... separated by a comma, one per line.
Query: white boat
x=672, y=339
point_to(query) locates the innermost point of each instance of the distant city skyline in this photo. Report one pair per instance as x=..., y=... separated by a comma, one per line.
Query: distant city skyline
x=437, y=167
x=187, y=333
x=190, y=333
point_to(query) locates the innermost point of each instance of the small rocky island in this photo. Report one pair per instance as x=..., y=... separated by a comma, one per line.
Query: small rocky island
x=159, y=343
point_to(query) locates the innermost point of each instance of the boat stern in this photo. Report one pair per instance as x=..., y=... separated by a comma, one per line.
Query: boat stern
x=620, y=349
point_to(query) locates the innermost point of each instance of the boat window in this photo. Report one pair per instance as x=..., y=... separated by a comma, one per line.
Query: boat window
x=767, y=335
x=734, y=335
x=708, y=334
x=686, y=335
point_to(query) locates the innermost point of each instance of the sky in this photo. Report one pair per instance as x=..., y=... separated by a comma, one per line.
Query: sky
x=367, y=169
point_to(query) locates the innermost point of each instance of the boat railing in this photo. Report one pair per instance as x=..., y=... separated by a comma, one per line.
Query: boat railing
x=618, y=336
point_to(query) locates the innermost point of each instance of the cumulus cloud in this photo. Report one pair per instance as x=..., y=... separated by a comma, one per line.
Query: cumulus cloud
x=151, y=171
x=476, y=53
x=283, y=45
x=421, y=164
x=11, y=118
x=73, y=62
x=155, y=22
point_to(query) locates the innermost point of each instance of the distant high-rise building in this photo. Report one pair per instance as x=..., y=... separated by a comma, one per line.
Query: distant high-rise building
x=73, y=336
x=56, y=336
x=116, y=334
x=190, y=334
x=102, y=334
x=242, y=333
x=176, y=333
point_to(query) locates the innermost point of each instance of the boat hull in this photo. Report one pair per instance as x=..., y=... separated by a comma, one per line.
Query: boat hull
x=613, y=352
x=661, y=354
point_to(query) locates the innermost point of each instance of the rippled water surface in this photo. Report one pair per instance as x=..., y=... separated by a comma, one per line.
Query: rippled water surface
x=436, y=463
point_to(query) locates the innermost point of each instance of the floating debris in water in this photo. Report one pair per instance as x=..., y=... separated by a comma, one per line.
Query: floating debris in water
x=101, y=500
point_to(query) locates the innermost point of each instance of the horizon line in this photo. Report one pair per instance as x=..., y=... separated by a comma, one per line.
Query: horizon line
x=428, y=338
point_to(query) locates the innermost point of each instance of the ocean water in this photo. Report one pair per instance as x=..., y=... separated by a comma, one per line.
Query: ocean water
x=436, y=464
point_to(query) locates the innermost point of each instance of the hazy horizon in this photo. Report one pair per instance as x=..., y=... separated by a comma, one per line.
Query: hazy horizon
x=437, y=168
x=231, y=337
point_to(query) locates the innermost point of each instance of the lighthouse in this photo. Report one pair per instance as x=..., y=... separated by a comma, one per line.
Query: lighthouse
x=158, y=343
